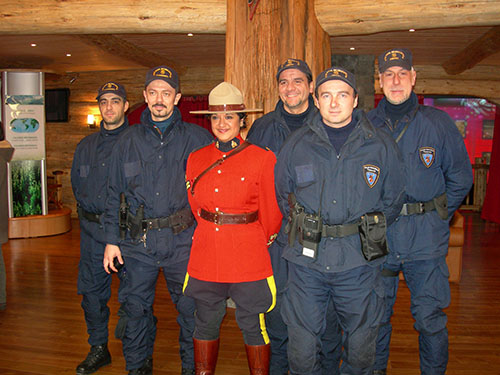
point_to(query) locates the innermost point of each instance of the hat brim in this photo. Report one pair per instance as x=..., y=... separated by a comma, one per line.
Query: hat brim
x=207, y=112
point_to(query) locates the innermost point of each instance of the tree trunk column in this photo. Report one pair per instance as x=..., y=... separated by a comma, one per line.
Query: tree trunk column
x=254, y=48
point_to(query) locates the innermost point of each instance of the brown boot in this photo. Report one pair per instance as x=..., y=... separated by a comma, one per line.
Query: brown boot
x=258, y=359
x=205, y=356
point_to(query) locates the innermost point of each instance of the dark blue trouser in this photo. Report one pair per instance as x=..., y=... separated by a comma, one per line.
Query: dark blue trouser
x=331, y=349
x=357, y=296
x=94, y=284
x=137, y=325
x=430, y=294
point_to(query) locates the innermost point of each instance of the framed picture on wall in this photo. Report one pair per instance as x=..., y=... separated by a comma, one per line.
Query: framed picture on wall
x=488, y=126
x=462, y=126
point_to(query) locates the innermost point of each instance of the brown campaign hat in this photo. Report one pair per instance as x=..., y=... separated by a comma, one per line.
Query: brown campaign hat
x=226, y=98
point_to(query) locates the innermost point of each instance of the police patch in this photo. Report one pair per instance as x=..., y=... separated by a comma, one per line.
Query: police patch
x=371, y=173
x=427, y=155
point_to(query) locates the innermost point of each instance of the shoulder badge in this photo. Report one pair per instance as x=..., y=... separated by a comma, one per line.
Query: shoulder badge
x=371, y=173
x=427, y=155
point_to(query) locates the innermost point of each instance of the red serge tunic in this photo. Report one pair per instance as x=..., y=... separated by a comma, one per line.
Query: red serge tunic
x=243, y=183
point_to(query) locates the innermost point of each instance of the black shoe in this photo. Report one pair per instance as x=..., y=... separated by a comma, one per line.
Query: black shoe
x=188, y=371
x=146, y=369
x=380, y=372
x=98, y=356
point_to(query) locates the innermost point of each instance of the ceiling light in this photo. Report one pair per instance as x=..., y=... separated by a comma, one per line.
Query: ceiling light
x=411, y=30
x=352, y=48
x=68, y=54
x=190, y=34
x=33, y=44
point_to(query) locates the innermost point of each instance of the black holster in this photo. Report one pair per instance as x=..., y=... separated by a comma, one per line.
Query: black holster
x=373, y=235
x=123, y=216
x=296, y=210
x=135, y=223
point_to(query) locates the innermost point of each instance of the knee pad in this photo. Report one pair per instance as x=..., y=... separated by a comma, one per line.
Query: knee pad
x=131, y=310
x=303, y=353
x=360, y=347
x=94, y=308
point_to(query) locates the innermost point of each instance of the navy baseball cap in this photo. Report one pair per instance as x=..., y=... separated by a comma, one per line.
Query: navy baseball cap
x=163, y=73
x=336, y=73
x=294, y=64
x=395, y=57
x=112, y=88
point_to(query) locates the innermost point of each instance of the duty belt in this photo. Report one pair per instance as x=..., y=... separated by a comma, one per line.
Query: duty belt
x=342, y=230
x=417, y=208
x=178, y=221
x=220, y=218
x=89, y=216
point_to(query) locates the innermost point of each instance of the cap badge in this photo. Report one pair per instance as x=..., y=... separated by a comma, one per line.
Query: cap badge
x=336, y=72
x=110, y=86
x=394, y=55
x=291, y=62
x=162, y=72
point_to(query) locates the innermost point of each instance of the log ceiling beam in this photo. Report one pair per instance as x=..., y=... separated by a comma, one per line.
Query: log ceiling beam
x=112, y=16
x=359, y=17
x=355, y=17
x=119, y=47
x=483, y=47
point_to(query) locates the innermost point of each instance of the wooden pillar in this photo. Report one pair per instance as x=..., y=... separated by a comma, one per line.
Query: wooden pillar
x=254, y=48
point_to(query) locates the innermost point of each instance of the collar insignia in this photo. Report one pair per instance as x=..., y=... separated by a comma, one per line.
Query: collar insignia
x=371, y=173
x=427, y=155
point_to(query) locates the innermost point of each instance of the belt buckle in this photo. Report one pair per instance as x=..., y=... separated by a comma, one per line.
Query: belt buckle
x=404, y=210
x=149, y=224
x=421, y=208
x=217, y=218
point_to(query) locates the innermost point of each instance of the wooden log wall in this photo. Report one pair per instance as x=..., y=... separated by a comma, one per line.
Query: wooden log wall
x=62, y=137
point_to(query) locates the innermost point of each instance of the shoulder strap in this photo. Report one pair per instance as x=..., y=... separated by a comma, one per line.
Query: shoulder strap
x=237, y=150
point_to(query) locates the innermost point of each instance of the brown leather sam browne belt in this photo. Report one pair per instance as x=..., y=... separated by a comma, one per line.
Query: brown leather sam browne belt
x=220, y=218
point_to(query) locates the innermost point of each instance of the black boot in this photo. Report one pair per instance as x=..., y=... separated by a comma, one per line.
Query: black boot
x=380, y=372
x=145, y=369
x=98, y=356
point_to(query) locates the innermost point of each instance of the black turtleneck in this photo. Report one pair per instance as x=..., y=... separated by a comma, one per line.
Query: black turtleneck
x=293, y=121
x=338, y=136
x=396, y=112
x=229, y=145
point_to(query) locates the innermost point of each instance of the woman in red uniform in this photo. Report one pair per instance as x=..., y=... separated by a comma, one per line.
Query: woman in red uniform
x=231, y=192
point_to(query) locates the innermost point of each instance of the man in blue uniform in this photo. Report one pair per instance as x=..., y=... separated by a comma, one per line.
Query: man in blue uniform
x=340, y=182
x=89, y=176
x=438, y=177
x=294, y=109
x=148, y=221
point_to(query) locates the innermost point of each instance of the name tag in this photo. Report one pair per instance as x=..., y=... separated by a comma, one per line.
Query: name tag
x=310, y=253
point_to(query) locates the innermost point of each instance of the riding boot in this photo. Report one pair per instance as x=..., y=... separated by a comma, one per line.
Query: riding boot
x=205, y=356
x=258, y=359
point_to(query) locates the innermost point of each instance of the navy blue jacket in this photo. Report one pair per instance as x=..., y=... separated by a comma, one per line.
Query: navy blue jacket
x=150, y=169
x=270, y=131
x=340, y=186
x=435, y=161
x=89, y=175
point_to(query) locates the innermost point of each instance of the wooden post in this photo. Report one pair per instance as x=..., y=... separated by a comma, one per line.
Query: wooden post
x=254, y=49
